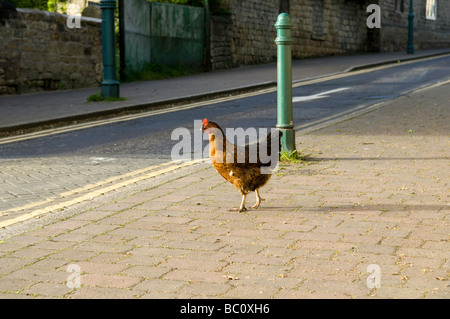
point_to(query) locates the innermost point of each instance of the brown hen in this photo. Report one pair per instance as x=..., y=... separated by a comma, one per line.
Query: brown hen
x=247, y=173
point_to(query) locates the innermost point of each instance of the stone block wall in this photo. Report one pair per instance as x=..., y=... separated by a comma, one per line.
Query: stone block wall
x=39, y=52
x=253, y=32
x=246, y=36
x=221, y=57
x=321, y=27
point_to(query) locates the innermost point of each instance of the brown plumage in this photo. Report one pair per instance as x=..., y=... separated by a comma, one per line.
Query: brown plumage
x=243, y=172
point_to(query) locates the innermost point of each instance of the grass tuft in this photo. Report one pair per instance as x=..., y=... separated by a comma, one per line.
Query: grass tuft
x=293, y=157
x=99, y=97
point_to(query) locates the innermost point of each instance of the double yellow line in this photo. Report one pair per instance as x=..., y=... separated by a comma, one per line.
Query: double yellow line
x=94, y=190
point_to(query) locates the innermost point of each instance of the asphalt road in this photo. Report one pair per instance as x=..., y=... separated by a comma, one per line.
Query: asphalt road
x=150, y=136
x=38, y=170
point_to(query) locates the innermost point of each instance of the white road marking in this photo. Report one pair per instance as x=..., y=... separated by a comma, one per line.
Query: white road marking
x=316, y=96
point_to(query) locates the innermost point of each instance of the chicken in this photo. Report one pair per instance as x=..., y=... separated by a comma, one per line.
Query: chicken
x=247, y=173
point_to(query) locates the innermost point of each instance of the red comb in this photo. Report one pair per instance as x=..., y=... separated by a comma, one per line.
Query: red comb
x=205, y=121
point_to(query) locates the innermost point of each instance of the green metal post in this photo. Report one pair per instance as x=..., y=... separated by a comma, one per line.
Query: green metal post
x=410, y=49
x=284, y=78
x=110, y=85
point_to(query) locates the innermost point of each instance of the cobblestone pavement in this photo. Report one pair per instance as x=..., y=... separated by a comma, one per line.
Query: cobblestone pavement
x=366, y=217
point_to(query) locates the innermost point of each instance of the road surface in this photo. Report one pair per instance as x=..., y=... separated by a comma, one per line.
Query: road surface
x=50, y=170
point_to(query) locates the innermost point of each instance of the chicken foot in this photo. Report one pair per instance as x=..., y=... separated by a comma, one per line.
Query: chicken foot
x=258, y=200
x=241, y=207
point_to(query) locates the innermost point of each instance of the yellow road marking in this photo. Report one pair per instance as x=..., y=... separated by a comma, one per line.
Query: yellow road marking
x=98, y=192
x=86, y=188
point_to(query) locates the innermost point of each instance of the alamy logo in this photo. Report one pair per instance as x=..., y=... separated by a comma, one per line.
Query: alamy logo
x=374, y=20
x=374, y=279
x=74, y=279
x=74, y=16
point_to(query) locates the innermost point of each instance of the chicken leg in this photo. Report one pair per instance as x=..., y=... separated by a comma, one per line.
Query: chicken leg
x=258, y=200
x=242, y=207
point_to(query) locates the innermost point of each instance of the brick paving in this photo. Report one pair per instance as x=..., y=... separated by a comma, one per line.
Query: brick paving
x=375, y=192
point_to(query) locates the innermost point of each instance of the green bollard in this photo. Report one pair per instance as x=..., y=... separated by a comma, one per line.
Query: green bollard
x=110, y=85
x=284, y=77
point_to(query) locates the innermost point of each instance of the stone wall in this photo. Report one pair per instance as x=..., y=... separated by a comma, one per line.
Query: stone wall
x=39, y=52
x=321, y=27
x=253, y=32
x=324, y=27
x=221, y=56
